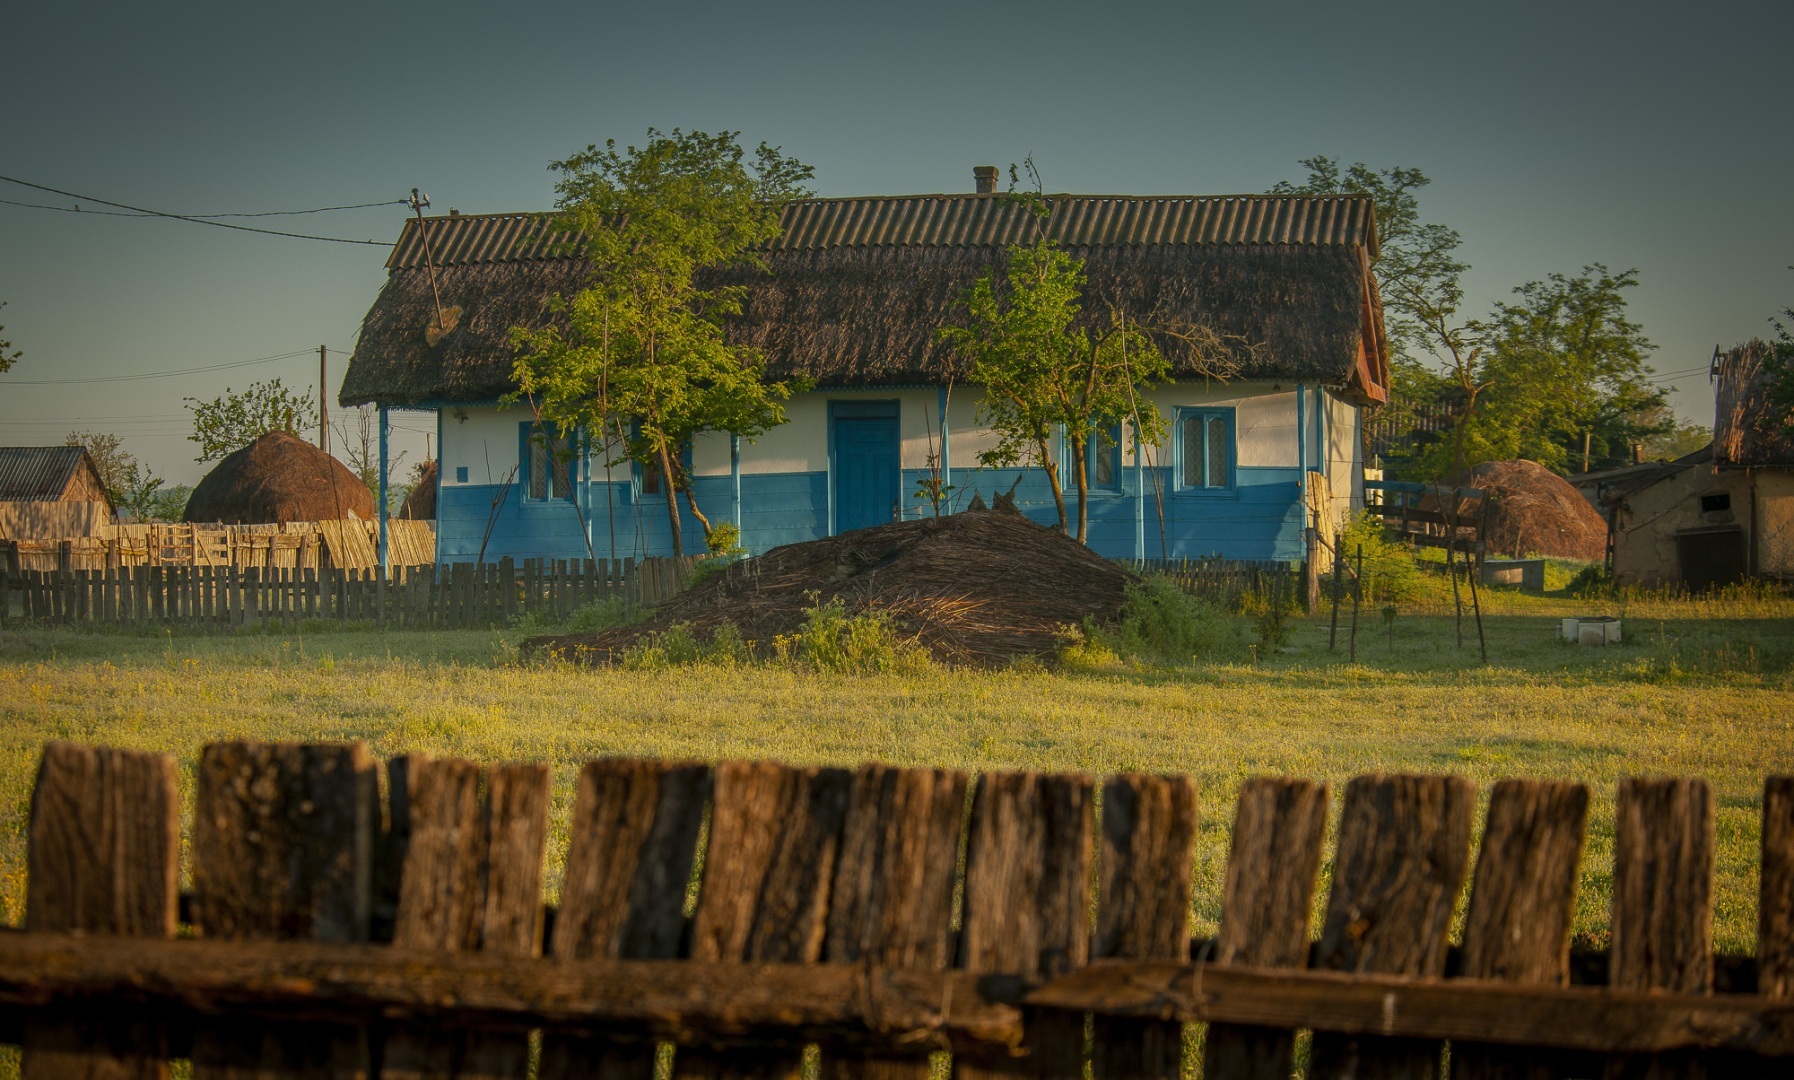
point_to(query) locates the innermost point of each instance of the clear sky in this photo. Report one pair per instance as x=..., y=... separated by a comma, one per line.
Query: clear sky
x=1636, y=134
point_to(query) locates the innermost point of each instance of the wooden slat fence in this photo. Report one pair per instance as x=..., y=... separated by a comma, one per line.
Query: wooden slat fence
x=743, y=911
x=452, y=596
x=295, y=545
x=1226, y=581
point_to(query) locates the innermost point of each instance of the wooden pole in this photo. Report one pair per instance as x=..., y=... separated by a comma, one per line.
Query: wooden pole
x=1358, y=599
x=1338, y=580
x=323, y=405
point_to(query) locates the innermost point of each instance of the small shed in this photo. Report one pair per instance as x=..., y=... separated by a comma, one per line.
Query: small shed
x=51, y=492
x=1722, y=513
x=276, y=479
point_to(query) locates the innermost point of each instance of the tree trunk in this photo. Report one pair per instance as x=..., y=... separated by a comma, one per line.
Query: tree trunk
x=691, y=500
x=1052, y=472
x=1078, y=470
x=666, y=487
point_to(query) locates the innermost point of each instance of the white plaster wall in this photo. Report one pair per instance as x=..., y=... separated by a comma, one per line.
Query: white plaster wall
x=1345, y=458
x=1775, y=522
x=1264, y=419
x=486, y=441
x=801, y=443
x=709, y=455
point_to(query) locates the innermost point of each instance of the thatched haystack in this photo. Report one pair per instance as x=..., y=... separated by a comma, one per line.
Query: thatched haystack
x=976, y=588
x=276, y=479
x=1534, y=511
x=420, y=501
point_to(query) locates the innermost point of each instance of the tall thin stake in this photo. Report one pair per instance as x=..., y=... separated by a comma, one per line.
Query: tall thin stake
x=1338, y=579
x=1357, y=598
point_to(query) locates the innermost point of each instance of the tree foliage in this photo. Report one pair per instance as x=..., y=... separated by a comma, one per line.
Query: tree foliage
x=132, y=487
x=233, y=420
x=1780, y=373
x=8, y=355
x=1560, y=362
x=642, y=363
x=1045, y=370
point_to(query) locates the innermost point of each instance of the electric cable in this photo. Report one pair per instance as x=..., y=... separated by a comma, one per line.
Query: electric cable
x=188, y=217
x=154, y=374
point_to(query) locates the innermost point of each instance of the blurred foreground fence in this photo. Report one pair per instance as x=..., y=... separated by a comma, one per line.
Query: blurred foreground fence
x=453, y=595
x=324, y=941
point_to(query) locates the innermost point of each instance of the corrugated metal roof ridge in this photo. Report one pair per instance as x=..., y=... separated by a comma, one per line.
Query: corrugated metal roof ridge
x=32, y=473
x=954, y=221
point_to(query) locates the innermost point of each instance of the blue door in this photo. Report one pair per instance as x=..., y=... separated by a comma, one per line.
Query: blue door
x=867, y=477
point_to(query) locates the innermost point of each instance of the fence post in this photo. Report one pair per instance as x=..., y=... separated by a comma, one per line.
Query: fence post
x=634, y=821
x=104, y=851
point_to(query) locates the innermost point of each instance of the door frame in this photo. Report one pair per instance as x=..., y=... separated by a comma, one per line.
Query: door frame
x=861, y=409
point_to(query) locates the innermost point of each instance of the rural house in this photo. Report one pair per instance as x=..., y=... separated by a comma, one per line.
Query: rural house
x=51, y=492
x=856, y=293
x=1722, y=513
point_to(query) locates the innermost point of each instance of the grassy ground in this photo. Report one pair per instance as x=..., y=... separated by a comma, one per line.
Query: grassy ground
x=1699, y=688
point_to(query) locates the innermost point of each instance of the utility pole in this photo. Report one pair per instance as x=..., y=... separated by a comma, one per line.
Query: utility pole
x=323, y=408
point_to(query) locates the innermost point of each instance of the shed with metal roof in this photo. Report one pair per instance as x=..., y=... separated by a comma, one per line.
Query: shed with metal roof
x=51, y=492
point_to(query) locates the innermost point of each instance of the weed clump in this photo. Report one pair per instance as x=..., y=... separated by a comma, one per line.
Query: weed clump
x=679, y=645
x=865, y=643
x=1391, y=573
x=1160, y=625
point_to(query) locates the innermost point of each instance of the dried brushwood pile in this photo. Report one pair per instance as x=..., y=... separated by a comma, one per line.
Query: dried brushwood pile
x=976, y=589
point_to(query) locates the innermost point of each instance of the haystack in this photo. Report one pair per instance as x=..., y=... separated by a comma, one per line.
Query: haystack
x=1534, y=511
x=977, y=588
x=276, y=479
x=420, y=502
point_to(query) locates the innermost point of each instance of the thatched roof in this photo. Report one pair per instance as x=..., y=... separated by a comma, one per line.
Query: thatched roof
x=857, y=288
x=420, y=501
x=276, y=479
x=1746, y=430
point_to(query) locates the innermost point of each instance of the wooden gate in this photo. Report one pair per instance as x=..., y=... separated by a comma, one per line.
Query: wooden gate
x=744, y=911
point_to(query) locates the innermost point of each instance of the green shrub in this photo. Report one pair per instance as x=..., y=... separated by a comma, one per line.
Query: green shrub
x=1391, y=573
x=679, y=645
x=861, y=644
x=589, y=618
x=1272, y=612
x=1592, y=582
x=1163, y=624
x=724, y=539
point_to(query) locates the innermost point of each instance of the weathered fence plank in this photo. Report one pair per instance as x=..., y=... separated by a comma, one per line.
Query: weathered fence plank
x=1027, y=904
x=472, y=882
x=1662, y=904
x=1404, y=846
x=1775, y=905
x=1278, y=829
x=282, y=849
x=633, y=842
x=1143, y=912
x=1522, y=901
x=774, y=834
x=892, y=899
x=103, y=858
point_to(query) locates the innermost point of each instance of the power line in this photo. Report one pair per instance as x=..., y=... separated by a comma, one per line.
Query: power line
x=153, y=374
x=266, y=213
x=188, y=217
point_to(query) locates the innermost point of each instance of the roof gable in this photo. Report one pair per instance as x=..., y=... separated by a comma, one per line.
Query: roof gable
x=45, y=473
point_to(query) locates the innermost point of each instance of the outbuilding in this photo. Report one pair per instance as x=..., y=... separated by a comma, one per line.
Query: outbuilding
x=1722, y=513
x=51, y=492
x=856, y=293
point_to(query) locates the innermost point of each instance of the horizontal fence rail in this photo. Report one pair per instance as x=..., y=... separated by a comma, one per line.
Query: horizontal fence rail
x=290, y=545
x=822, y=910
x=454, y=595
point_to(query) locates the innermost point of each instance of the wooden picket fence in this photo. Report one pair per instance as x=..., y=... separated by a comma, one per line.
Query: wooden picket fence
x=1226, y=581
x=293, y=545
x=454, y=595
x=845, y=909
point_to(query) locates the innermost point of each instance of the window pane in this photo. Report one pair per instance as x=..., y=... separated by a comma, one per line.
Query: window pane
x=1102, y=463
x=538, y=468
x=1217, y=451
x=559, y=463
x=1192, y=444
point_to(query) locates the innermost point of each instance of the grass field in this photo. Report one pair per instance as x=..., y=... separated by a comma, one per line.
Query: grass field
x=1699, y=688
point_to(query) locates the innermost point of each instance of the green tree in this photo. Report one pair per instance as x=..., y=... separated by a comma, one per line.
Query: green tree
x=1780, y=372
x=642, y=363
x=1418, y=271
x=1681, y=438
x=169, y=503
x=111, y=460
x=1561, y=363
x=233, y=420
x=1046, y=370
x=8, y=355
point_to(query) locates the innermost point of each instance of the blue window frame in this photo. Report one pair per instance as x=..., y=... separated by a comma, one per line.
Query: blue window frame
x=647, y=477
x=545, y=456
x=1102, y=460
x=1205, y=450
